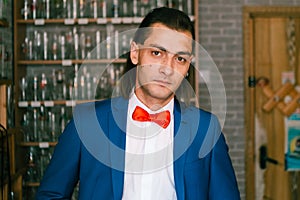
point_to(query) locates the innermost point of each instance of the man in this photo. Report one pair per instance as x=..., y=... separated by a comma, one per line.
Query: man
x=145, y=144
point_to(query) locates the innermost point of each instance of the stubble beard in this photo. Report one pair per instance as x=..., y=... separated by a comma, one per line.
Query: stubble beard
x=154, y=100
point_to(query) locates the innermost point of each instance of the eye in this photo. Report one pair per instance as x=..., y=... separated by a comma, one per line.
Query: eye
x=181, y=59
x=155, y=52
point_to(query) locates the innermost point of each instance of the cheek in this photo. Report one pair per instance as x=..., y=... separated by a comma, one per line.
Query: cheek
x=144, y=59
x=181, y=72
x=144, y=73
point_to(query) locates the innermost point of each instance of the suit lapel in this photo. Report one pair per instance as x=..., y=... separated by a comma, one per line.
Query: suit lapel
x=117, y=129
x=180, y=144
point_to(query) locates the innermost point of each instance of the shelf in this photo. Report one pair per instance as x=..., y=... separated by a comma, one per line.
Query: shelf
x=70, y=62
x=68, y=103
x=86, y=21
x=5, y=82
x=32, y=184
x=38, y=144
x=83, y=21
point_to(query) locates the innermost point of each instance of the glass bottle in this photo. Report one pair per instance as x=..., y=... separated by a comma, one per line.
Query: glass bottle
x=103, y=9
x=189, y=10
x=180, y=5
x=35, y=88
x=47, y=9
x=68, y=9
x=34, y=9
x=70, y=89
x=75, y=15
x=89, y=92
x=94, y=9
x=109, y=41
x=41, y=9
x=63, y=119
x=76, y=43
x=54, y=84
x=82, y=8
x=116, y=90
x=43, y=88
x=135, y=8
x=25, y=48
x=69, y=45
x=60, y=84
x=115, y=8
x=75, y=94
x=45, y=46
x=89, y=47
x=57, y=9
x=82, y=45
x=23, y=88
x=30, y=50
x=25, y=10
x=32, y=174
x=98, y=44
x=45, y=157
x=117, y=44
x=35, y=125
x=52, y=126
x=62, y=43
x=37, y=46
x=82, y=89
x=124, y=46
x=54, y=47
x=43, y=132
x=25, y=123
x=144, y=7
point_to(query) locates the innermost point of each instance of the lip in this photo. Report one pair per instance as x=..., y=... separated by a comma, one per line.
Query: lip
x=162, y=82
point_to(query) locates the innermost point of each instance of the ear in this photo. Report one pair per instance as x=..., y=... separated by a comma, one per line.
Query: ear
x=134, y=53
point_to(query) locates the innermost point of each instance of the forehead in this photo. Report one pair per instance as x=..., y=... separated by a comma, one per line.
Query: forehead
x=170, y=39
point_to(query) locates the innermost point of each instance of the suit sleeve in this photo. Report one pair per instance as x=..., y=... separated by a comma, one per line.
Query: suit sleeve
x=223, y=184
x=61, y=175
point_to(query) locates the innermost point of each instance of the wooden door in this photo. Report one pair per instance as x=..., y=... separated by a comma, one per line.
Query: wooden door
x=266, y=54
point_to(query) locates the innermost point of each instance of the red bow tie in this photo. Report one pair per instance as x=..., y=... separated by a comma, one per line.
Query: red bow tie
x=161, y=118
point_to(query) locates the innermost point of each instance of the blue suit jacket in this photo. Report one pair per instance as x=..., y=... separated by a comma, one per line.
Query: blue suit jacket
x=202, y=170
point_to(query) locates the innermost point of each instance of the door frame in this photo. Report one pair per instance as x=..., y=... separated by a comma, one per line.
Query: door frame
x=249, y=14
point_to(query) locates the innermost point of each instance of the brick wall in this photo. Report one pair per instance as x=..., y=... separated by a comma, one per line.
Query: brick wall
x=221, y=34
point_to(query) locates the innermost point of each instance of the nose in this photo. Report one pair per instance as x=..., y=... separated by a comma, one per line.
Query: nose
x=166, y=66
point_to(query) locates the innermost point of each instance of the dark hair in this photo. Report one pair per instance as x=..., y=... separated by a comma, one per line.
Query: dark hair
x=170, y=17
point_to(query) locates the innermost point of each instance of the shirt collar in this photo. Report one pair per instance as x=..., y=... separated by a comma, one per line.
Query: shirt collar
x=134, y=101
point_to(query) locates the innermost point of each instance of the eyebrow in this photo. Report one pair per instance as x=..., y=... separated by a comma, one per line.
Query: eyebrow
x=164, y=49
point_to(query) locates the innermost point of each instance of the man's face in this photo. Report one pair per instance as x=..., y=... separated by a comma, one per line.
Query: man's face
x=162, y=63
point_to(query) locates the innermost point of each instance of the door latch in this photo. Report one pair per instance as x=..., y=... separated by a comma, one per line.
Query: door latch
x=263, y=157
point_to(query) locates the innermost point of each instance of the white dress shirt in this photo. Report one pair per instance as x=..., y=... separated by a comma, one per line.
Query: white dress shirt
x=149, y=157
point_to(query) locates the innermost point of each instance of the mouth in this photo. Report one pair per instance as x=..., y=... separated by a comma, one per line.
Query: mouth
x=164, y=83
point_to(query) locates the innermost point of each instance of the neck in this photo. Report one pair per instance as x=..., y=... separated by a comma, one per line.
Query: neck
x=152, y=103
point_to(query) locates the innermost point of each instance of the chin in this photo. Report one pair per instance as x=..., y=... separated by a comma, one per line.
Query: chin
x=157, y=91
x=161, y=93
